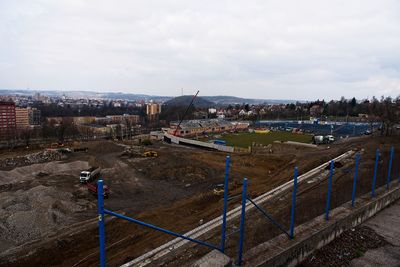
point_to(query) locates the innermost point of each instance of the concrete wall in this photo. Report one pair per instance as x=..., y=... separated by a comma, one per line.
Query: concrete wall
x=318, y=232
x=184, y=141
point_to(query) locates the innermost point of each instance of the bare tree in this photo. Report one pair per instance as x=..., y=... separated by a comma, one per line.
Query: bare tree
x=26, y=135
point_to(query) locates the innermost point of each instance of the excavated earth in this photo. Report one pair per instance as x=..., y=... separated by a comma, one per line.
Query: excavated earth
x=47, y=218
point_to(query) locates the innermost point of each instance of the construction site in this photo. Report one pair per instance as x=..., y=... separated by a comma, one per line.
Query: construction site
x=48, y=217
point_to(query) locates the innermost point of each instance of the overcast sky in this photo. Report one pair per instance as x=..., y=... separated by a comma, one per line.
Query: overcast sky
x=261, y=49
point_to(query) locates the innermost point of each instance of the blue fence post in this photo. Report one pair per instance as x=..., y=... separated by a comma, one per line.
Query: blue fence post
x=100, y=210
x=242, y=221
x=375, y=172
x=353, y=195
x=226, y=189
x=390, y=168
x=293, y=212
x=328, y=199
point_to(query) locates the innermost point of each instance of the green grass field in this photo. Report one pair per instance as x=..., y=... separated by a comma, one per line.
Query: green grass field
x=246, y=139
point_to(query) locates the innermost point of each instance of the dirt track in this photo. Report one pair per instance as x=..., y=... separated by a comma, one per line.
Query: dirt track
x=172, y=191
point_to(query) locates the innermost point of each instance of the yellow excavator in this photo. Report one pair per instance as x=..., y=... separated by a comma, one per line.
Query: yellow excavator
x=151, y=153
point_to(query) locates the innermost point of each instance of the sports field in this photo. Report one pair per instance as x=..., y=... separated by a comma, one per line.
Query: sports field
x=246, y=139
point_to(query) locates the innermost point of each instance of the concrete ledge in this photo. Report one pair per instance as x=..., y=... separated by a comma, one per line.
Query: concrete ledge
x=318, y=232
x=214, y=258
x=184, y=141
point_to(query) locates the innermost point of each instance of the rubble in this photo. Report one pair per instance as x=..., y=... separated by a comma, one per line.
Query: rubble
x=28, y=215
x=40, y=157
x=350, y=245
x=132, y=151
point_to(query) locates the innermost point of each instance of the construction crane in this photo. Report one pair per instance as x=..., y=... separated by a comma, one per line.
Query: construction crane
x=186, y=111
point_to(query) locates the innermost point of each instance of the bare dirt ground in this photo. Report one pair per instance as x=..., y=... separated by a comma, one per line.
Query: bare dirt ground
x=49, y=219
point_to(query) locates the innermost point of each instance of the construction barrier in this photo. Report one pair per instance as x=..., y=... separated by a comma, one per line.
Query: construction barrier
x=328, y=198
x=102, y=211
x=245, y=198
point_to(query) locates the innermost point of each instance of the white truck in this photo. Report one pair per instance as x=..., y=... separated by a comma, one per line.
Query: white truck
x=89, y=174
x=320, y=139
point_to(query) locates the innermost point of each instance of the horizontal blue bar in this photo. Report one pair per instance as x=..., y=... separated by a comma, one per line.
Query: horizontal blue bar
x=109, y=212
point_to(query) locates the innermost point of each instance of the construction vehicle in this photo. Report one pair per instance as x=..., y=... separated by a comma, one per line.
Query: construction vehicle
x=93, y=189
x=80, y=149
x=320, y=139
x=219, y=189
x=64, y=150
x=329, y=139
x=89, y=174
x=151, y=153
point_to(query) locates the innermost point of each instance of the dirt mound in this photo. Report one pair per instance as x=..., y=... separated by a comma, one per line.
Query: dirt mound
x=105, y=147
x=174, y=168
x=32, y=171
x=28, y=215
x=132, y=151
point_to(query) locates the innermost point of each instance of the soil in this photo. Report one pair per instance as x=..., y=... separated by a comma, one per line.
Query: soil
x=174, y=190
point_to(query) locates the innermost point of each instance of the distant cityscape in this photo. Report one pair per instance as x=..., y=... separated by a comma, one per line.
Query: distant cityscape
x=40, y=117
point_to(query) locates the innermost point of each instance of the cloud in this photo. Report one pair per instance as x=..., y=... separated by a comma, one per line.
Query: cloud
x=268, y=49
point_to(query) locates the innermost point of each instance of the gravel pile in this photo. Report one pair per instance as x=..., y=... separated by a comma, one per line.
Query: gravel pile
x=133, y=151
x=31, y=172
x=28, y=215
x=350, y=245
x=40, y=157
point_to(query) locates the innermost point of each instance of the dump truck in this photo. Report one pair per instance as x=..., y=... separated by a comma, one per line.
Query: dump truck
x=92, y=188
x=64, y=150
x=89, y=174
x=318, y=139
x=329, y=139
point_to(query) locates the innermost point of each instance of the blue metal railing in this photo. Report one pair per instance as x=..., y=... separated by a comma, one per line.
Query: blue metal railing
x=390, y=168
x=151, y=226
x=294, y=196
x=377, y=156
x=242, y=222
x=269, y=217
x=226, y=188
x=328, y=197
x=353, y=194
x=102, y=211
x=290, y=234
